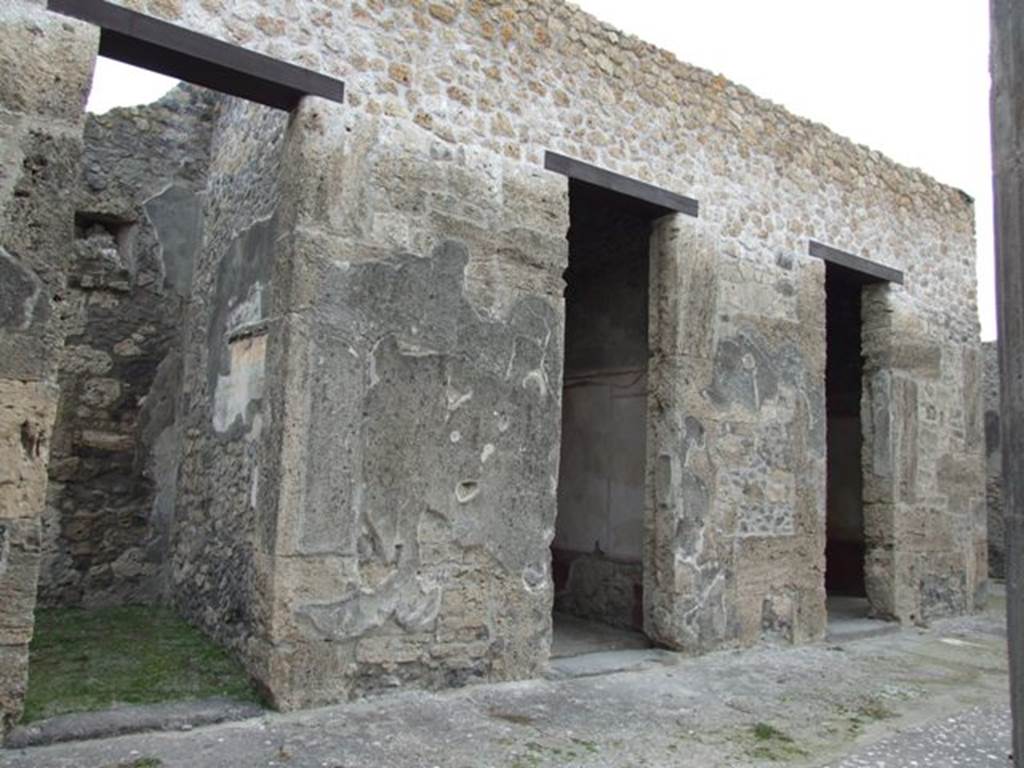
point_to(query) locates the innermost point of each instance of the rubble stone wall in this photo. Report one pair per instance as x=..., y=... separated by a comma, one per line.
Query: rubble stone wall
x=416, y=501
x=214, y=578
x=736, y=445
x=45, y=68
x=924, y=484
x=113, y=461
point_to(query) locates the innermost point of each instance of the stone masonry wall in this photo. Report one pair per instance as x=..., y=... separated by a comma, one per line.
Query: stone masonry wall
x=736, y=446
x=923, y=459
x=403, y=527
x=45, y=69
x=113, y=464
x=994, y=466
x=497, y=84
x=417, y=497
x=215, y=579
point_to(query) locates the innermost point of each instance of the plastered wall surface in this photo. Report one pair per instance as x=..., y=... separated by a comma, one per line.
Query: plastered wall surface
x=373, y=365
x=218, y=548
x=417, y=497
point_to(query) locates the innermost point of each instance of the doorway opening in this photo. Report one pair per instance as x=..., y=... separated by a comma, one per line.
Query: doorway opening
x=844, y=369
x=850, y=611
x=105, y=631
x=597, y=559
x=111, y=586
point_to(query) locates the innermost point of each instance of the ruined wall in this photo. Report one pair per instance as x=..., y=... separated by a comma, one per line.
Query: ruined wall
x=403, y=528
x=416, y=504
x=45, y=67
x=994, y=466
x=923, y=460
x=596, y=554
x=508, y=81
x=113, y=462
x=736, y=446
x=215, y=579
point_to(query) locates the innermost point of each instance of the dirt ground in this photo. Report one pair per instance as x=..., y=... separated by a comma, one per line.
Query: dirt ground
x=934, y=696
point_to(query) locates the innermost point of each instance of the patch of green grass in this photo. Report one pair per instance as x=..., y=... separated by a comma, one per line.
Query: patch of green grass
x=589, y=746
x=772, y=744
x=526, y=761
x=874, y=709
x=87, y=660
x=765, y=732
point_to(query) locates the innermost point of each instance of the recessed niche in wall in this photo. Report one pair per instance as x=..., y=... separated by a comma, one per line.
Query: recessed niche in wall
x=104, y=251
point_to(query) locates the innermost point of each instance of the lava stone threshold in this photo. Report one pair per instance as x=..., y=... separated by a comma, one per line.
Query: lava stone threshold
x=171, y=716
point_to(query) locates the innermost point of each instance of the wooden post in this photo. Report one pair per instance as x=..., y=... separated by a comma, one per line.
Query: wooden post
x=1008, y=155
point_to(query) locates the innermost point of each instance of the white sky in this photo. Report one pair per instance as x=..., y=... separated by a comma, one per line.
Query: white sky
x=907, y=77
x=119, y=85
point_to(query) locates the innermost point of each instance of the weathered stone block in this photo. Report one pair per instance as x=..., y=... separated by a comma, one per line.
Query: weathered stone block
x=916, y=358
x=46, y=63
x=26, y=419
x=13, y=684
x=684, y=288
x=19, y=571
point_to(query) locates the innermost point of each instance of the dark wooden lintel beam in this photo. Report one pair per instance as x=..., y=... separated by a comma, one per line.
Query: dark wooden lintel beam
x=160, y=46
x=667, y=202
x=870, y=271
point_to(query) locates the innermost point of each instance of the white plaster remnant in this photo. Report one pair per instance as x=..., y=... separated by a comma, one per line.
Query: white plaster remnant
x=29, y=302
x=249, y=310
x=417, y=609
x=414, y=350
x=535, y=577
x=243, y=384
x=254, y=487
x=454, y=398
x=256, y=430
x=466, y=491
x=536, y=379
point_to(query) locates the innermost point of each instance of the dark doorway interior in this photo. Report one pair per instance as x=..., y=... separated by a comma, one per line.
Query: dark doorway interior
x=844, y=549
x=596, y=554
